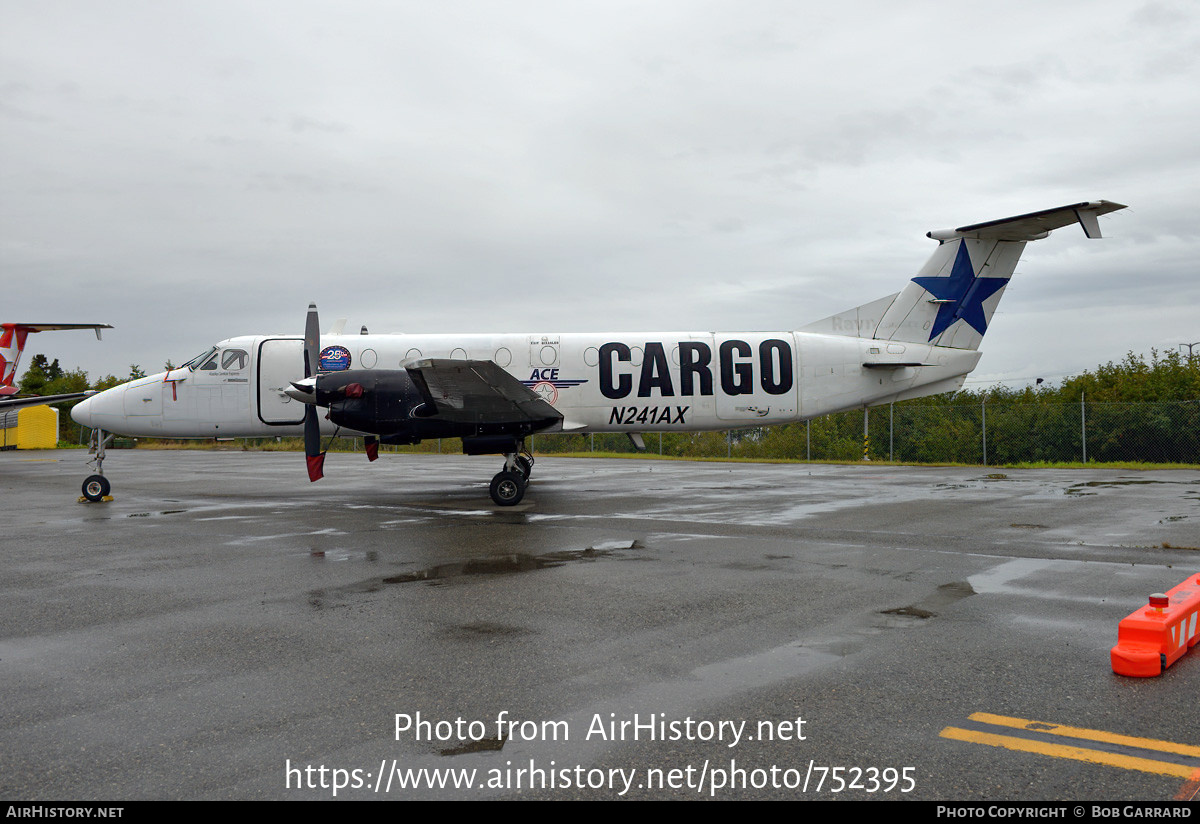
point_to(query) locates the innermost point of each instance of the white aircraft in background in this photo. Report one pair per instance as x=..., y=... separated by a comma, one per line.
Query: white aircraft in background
x=493, y=391
x=12, y=344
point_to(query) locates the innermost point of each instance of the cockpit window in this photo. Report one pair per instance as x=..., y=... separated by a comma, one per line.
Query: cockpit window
x=234, y=359
x=210, y=364
x=195, y=362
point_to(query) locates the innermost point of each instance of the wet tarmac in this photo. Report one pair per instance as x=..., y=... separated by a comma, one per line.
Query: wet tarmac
x=226, y=630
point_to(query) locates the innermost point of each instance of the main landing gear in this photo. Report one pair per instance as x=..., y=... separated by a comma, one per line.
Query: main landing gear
x=96, y=487
x=508, y=486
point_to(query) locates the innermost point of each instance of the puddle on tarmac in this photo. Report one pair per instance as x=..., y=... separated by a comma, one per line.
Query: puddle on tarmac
x=480, y=745
x=946, y=595
x=1080, y=488
x=440, y=574
x=370, y=555
x=155, y=514
x=508, y=564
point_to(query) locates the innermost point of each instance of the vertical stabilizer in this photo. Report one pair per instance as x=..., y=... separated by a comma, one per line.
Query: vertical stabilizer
x=952, y=299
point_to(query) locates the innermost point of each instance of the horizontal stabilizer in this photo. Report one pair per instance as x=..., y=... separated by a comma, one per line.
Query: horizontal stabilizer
x=56, y=327
x=894, y=365
x=1035, y=225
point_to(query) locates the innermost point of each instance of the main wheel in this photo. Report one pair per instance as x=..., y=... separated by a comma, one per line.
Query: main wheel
x=524, y=466
x=95, y=488
x=507, y=488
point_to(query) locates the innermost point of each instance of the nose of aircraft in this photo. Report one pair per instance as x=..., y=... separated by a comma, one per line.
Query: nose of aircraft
x=81, y=412
x=104, y=410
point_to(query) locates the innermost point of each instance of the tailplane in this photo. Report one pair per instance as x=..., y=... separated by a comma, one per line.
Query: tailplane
x=951, y=300
x=12, y=344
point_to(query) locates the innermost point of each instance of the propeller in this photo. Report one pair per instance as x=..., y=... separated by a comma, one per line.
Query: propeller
x=312, y=427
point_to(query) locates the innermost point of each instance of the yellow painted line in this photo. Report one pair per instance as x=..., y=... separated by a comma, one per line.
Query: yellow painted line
x=1091, y=735
x=1062, y=751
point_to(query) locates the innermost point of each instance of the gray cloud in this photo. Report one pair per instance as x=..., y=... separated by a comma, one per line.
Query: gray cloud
x=191, y=171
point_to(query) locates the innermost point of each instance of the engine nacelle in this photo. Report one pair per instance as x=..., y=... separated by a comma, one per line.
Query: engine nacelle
x=381, y=401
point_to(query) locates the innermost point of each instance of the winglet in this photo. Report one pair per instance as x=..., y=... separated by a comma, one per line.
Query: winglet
x=1090, y=221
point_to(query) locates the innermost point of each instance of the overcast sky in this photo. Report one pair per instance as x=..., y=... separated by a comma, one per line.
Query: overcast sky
x=189, y=171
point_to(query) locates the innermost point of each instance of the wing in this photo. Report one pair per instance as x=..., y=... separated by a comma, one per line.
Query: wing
x=478, y=391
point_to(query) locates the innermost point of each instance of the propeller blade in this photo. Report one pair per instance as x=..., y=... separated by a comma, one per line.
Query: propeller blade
x=372, y=444
x=312, y=427
x=312, y=445
x=312, y=341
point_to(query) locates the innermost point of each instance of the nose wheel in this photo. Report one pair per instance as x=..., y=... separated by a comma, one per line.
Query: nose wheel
x=96, y=487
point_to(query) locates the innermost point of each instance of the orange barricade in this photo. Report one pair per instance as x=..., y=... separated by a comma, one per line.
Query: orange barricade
x=1156, y=636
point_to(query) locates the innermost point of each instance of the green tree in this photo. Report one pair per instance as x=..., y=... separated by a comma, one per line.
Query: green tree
x=40, y=372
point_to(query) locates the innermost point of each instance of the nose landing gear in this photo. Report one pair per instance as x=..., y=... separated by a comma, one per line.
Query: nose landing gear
x=96, y=487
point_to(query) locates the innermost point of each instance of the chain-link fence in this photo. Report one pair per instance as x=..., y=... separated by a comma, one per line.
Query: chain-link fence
x=985, y=433
x=980, y=433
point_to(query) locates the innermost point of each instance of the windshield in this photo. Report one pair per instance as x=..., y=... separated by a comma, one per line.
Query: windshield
x=199, y=359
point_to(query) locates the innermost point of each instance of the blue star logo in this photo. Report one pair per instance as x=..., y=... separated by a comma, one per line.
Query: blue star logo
x=964, y=293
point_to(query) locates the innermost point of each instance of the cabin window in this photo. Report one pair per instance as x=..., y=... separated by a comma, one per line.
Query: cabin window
x=234, y=359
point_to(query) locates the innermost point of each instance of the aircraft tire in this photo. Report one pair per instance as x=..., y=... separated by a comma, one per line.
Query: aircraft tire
x=95, y=487
x=507, y=488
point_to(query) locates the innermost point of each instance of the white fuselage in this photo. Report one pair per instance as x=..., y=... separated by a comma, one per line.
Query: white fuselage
x=617, y=382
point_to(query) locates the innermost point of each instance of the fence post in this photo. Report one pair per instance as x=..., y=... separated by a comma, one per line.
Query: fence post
x=891, y=439
x=728, y=443
x=1083, y=424
x=983, y=405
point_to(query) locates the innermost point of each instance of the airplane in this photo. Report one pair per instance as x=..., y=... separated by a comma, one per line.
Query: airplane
x=12, y=344
x=495, y=390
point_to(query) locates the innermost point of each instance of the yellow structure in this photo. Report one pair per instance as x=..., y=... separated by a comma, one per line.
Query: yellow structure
x=34, y=427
